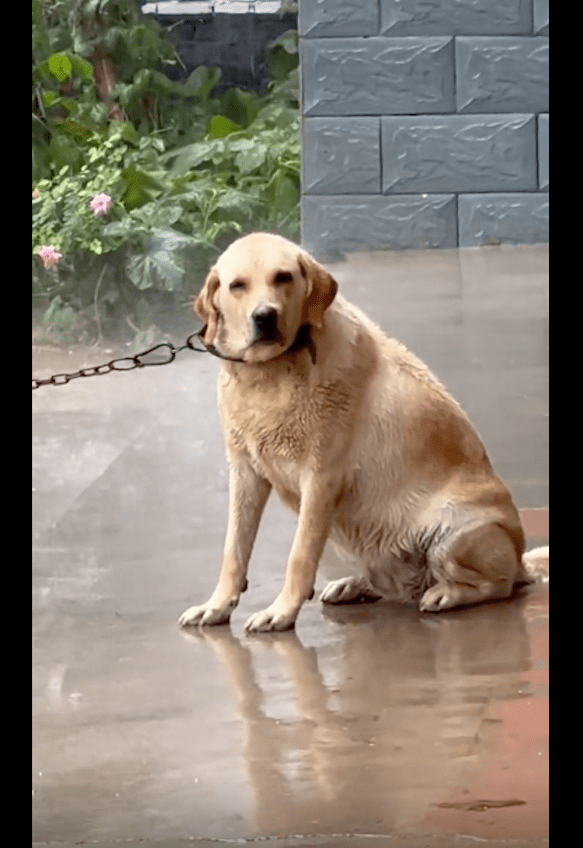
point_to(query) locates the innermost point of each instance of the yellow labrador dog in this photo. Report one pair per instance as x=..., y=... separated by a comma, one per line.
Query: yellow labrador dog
x=357, y=436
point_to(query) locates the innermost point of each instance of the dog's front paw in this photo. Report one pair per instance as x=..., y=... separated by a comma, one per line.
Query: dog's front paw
x=276, y=617
x=206, y=615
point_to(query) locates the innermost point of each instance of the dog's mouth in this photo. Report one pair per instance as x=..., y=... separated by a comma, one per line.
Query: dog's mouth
x=273, y=337
x=302, y=340
x=257, y=343
x=211, y=348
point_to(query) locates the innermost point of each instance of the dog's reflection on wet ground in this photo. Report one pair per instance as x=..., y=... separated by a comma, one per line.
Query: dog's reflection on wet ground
x=379, y=727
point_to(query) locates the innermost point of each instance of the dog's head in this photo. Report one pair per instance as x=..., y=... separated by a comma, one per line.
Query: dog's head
x=262, y=289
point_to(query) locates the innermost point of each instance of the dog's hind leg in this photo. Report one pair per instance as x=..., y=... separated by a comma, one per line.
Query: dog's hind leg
x=481, y=565
x=349, y=590
x=446, y=595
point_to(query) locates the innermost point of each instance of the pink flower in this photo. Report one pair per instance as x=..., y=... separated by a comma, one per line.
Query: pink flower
x=35, y=193
x=100, y=204
x=48, y=255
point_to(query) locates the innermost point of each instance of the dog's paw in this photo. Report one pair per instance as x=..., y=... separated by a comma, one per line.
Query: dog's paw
x=442, y=596
x=205, y=615
x=346, y=590
x=275, y=617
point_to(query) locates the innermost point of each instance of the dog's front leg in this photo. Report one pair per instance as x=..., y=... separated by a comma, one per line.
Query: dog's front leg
x=248, y=493
x=318, y=498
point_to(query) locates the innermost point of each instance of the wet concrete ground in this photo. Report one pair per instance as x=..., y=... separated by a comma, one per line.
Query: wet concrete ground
x=369, y=725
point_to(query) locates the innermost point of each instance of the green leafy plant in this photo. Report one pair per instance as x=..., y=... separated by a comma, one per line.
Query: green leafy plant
x=130, y=203
x=74, y=74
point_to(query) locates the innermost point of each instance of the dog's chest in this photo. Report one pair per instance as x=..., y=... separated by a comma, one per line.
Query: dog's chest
x=271, y=436
x=277, y=453
x=278, y=428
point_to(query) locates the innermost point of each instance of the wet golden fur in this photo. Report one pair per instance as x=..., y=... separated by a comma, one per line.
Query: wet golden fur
x=358, y=437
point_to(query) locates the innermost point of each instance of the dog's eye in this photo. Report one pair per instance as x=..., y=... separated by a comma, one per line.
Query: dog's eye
x=283, y=277
x=237, y=285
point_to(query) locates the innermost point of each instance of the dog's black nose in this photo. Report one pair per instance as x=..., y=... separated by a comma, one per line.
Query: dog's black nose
x=264, y=320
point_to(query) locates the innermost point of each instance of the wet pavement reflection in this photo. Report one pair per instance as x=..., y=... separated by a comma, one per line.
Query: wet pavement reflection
x=369, y=721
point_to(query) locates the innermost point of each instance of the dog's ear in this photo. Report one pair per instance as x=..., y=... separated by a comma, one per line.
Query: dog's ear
x=322, y=288
x=205, y=308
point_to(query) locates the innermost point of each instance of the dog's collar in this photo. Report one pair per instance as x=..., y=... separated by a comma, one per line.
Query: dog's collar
x=302, y=340
x=210, y=348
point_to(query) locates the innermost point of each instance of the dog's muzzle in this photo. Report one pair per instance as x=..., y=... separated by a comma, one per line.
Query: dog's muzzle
x=301, y=341
x=264, y=325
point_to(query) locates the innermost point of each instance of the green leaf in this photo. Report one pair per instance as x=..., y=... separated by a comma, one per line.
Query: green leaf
x=126, y=130
x=75, y=129
x=280, y=63
x=288, y=40
x=58, y=317
x=128, y=93
x=164, y=262
x=240, y=106
x=60, y=66
x=234, y=202
x=166, y=216
x=155, y=269
x=64, y=153
x=164, y=85
x=236, y=144
x=116, y=228
x=82, y=67
x=202, y=81
x=251, y=159
x=158, y=144
x=141, y=187
x=219, y=127
x=190, y=156
x=283, y=194
x=282, y=57
x=49, y=97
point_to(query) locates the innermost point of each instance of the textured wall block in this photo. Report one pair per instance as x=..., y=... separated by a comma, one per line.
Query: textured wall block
x=341, y=156
x=375, y=76
x=541, y=17
x=333, y=225
x=455, y=17
x=543, y=152
x=459, y=153
x=503, y=219
x=320, y=18
x=502, y=74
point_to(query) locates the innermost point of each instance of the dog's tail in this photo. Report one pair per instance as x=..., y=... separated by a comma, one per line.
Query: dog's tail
x=534, y=566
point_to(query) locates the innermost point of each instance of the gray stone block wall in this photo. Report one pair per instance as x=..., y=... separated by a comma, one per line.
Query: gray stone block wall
x=425, y=123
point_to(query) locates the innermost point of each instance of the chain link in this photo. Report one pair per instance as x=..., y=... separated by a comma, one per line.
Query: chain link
x=125, y=363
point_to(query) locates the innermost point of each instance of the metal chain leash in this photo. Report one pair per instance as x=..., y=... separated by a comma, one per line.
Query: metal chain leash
x=126, y=363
